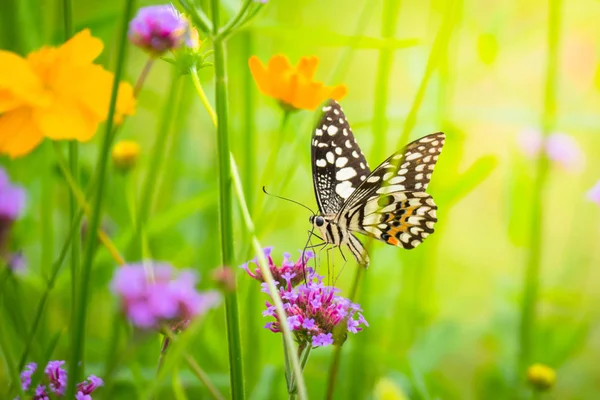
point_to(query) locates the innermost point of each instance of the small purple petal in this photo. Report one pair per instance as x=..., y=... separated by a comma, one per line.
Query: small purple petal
x=594, y=193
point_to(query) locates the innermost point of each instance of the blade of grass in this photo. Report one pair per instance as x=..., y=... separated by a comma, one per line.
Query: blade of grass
x=531, y=281
x=78, y=339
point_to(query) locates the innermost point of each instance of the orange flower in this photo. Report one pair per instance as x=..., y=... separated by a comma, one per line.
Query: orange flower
x=56, y=92
x=294, y=87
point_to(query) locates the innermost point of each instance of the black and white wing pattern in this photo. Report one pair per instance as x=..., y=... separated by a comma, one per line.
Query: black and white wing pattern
x=338, y=165
x=392, y=205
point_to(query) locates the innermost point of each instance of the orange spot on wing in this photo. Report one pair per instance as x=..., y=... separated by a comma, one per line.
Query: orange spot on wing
x=393, y=241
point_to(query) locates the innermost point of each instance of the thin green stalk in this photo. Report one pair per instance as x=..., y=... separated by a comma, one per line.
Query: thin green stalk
x=532, y=269
x=5, y=348
x=337, y=352
x=158, y=153
x=225, y=218
x=389, y=20
x=437, y=50
x=74, y=169
x=249, y=111
x=268, y=277
x=202, y=95
x=203, y=377
x=233, y=23
x=77, y=352
x=143, y=75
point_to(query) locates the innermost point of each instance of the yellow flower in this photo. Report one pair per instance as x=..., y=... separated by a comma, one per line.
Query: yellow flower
x=541, y=376
x=125, y=154
x=56, y=92
x=294, y=87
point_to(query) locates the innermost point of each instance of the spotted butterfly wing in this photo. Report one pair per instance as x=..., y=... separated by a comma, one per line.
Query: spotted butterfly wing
x=388, y=204
x=339, y=166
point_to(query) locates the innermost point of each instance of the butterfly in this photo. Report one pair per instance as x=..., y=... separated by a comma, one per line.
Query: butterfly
x=389, y=203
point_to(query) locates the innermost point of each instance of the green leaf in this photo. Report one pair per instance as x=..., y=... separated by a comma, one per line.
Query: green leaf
x=470, y=179
x=328, y=38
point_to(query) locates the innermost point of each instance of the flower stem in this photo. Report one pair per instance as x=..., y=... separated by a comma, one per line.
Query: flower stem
x=532, y=268
x=337, y=352
x=270, y=166
x=202, y=375
x=158, y=155
x=225, y=217
x=143, y=75
x=5, y=348
x=202, y=95
x=78, y=339
x=268, y=277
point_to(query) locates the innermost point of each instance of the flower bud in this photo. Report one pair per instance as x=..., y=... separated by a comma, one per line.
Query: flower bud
x=125, y=155
x=158, y=29
x=541, y=377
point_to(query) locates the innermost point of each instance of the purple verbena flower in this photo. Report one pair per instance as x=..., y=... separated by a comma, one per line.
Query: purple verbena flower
x=85, y=388
x=158, y=29
x=289, y=274
x=57, y=377
x=16, y=262
x=315, y=313
x=594, y=193
x=150, y=295
x=12, y=203
x=26, y=375
x=40, y=393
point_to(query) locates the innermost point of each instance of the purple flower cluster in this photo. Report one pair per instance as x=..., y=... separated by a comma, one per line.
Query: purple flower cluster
x=151, y=295
x=288, y=271
x=12, y=204
x=57, y=382
x=558, y=147
x=314, y=312
x=158, y=29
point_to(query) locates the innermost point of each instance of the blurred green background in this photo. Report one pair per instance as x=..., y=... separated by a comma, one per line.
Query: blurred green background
x=444, y=318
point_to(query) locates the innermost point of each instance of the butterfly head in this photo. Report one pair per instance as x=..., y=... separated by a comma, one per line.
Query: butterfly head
x=317, y=221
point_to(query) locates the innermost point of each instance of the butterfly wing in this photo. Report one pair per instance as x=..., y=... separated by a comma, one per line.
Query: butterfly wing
x=338, y=164
x=409, y=169
x=402, y=219
x=391, y=205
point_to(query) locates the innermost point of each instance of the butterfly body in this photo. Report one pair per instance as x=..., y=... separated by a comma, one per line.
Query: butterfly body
x=389, y=204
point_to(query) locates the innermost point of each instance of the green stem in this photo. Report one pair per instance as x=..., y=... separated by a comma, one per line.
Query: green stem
x=143, y=75
x=248, y=118
x=532, y=268
x=225, y=218
x=268, y=277
x=5, y=348
x=389, y=20
x=337, y=352
x=232, y=24
x=77, y=351
x=203, y=377
x=158, y=154
x=202, y=95
x=198, y=16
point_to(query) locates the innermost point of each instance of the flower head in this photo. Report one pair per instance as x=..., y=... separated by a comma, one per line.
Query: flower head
x=594, y=193
x=12, y=199
x=56, y=92
x=315, y=313
x=289, y=272
x=558, y=147
x=158, y=29
x=294, y=87
x=85, y=388
x=26, y=375
x=150, y=295
x=125, y=154
x=541, y=376
x=57, y=377
x=40, y=393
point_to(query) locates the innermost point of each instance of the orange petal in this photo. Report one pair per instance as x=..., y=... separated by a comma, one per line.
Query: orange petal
x=310, y=96
x=81, y=49
x=338, y=92
x=18, y=83
x=66, y=120
x=259, y=73
x=18, y=132
x=307, y=66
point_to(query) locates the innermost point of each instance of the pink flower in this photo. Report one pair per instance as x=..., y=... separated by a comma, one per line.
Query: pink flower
x=289, y=271
x=560, y=148
x=158, y=29
x=151, y=295
x=594, y=193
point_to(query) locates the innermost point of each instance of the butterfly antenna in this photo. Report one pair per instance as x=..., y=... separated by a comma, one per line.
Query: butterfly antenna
x=290, y=200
